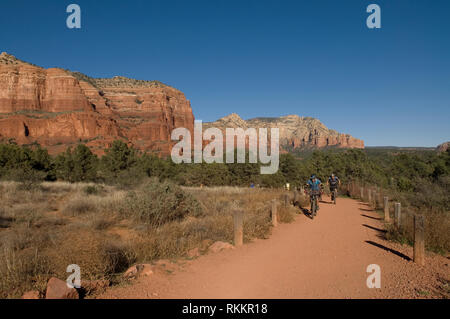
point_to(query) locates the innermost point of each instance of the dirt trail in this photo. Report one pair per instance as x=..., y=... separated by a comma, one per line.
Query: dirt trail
x=322, y=258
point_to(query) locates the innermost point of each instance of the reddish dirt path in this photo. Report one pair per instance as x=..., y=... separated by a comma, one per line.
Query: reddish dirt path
x=322, y=258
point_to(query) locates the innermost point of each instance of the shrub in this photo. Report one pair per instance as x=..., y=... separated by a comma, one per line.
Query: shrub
x=93, y=190
x=158, y=203
x=80, y=205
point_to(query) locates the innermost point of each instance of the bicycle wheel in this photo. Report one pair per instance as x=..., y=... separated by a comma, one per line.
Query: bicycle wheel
x=313, y=207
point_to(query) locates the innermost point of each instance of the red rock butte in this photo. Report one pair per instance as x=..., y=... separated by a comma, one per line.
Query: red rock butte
x=295, y=132
x=58, y=108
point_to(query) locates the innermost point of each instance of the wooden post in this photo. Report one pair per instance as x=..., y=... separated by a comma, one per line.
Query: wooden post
x=387, y=218
x=369, y=195
x=295, y=197
x=398, y=214
x=238, y=227
x=374, y=199
x=274, y=213
x=286, y=200
x=377, y=200
x=380, y=196
x=362, y=193
x=419, y=240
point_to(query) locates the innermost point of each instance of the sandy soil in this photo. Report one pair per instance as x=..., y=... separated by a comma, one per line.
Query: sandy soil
x=322, y=258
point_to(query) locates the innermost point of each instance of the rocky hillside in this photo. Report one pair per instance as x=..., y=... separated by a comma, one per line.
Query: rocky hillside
x=295, y=132
x=57, y=108
x=443, y=147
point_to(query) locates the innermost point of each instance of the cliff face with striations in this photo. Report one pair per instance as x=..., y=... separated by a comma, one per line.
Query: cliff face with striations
x=295, y=132
x=443, y=147
x=57, y=108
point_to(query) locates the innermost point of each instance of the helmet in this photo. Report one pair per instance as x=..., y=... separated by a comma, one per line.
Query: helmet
x=313, y=176
x=332, y=174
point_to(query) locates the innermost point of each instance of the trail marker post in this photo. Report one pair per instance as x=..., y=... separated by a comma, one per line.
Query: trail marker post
x=274, y=213
x=238, y=218
x=374, y=199
x=295, y=197
x=398, y=214
x=380, y=196
x=419, y=240
x=387, y=218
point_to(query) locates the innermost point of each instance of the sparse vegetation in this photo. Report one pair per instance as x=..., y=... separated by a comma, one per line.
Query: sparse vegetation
x=48, y=227
x=106, y=213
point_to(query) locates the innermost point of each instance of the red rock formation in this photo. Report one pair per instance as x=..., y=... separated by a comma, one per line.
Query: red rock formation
x=443, y=147
x=55, y=107
x=295, y=132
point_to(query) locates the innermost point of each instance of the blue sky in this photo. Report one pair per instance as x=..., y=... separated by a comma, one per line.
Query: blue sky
x=389, y=86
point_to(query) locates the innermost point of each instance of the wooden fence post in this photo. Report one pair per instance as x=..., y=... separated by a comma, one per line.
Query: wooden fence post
x=295, y=197
x=398, y=214
x=369, y=196
x=419, y=240
x=274, y=213
x=380, y=196
x=238, y=227
x=387, y=218
x=374, y=200
x=362, y=193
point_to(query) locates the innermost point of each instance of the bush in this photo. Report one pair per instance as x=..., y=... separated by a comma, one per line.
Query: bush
x=93, y=189
x=80, y=205
x=158, y=203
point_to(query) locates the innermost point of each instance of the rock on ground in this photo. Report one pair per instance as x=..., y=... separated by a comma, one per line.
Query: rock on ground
x=57, y=289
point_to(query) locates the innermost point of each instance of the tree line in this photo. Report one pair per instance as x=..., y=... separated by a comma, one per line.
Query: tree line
x=123, y=165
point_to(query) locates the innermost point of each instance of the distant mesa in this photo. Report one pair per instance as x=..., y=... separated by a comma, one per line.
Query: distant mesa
x=443, y=147
x=295, y=132
x=57, y=108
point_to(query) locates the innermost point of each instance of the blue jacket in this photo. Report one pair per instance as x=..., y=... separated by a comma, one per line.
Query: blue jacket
x=315, y=186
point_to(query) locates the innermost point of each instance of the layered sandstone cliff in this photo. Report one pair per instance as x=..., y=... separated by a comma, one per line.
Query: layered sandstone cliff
x=443, y=147
x=295, y=132
x=57, y=108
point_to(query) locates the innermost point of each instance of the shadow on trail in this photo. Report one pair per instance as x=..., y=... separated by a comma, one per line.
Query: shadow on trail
x=366, y=210
x=306, y=212
x=375, y=228
x=376, y=218
x=397, y=253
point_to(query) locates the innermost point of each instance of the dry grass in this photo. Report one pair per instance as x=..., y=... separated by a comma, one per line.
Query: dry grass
x=53, y=225
x=437, y=223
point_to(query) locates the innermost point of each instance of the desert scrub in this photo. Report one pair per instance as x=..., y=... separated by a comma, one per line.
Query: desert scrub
x=437, y=225
x=158, y=203
x=99, y=255
x=21, y=270
x=80, y=205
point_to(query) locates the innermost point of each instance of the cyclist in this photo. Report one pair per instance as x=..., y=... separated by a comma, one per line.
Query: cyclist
x=314, y=185
x=333, y=182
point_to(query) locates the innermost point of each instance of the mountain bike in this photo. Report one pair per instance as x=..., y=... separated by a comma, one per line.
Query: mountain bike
x=313, y=197
x=334, y=196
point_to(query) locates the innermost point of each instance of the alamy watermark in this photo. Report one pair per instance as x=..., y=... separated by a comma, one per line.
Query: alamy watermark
x=74, y=19
x=374, y=279
x=255, y=141
x=374, y=19
x=74, y=280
